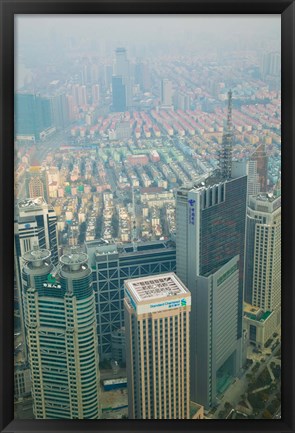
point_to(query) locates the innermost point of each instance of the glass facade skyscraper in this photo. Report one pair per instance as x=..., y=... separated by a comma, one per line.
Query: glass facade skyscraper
x=122, y=69
x=32, y=114
x=111, y=266
x=119, y=94
x=210, y=233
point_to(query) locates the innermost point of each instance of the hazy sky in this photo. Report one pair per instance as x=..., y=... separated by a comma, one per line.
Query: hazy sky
x=144, y=29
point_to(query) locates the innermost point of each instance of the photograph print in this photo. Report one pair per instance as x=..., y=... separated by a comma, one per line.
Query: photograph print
x=147, y=222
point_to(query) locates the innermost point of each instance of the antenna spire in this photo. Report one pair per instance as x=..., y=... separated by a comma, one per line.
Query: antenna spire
x=229, y=125
x=225, y=155
x=133, y=222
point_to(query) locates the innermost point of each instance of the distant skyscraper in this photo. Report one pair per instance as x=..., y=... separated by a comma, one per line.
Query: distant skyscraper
x=271, y=64
x=118, y=94
x=210, y=239
x=166, y=93
x=95, y=93
x=157, y=317
x=79, y=94
x=75, y=93
x=59, y=110
x=89, y=74
x=112, y=265
x=36, y=183
x=263, y=252
x=182, y=100
x=61, y=333
x=32, y=115
x=82, y=95
x=122, y=69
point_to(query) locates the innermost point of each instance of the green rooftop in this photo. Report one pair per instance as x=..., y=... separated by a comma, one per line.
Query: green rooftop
x=265, y=316
x=259, y=318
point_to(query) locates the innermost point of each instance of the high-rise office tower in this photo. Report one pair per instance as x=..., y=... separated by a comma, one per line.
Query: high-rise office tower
x=61, y=334
x=263, y=252
x=35, y=224
x=32, y=115
x=112, y=264
x=118, y=94
x=166, y=93
x=36, y=182
x=59, y=110
x=210, y=239
x=157, y=321
x=122, y=69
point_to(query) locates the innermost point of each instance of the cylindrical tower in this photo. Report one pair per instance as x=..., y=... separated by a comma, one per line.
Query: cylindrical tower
x=62, y=337
x=81, y=335
x=35, y=275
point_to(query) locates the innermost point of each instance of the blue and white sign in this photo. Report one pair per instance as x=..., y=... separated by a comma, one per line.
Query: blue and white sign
x=163, y=306
x=191, y=211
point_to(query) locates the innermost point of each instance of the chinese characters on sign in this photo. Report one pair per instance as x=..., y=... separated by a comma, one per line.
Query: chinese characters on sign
x=191, y=211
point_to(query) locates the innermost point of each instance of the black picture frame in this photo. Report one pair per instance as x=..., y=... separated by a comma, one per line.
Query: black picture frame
x=8, y=9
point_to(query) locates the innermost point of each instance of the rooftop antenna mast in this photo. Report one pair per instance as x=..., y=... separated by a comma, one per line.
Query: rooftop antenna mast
x=229, y=125
x=278, y=185
x=133, y=222
x=225, y=156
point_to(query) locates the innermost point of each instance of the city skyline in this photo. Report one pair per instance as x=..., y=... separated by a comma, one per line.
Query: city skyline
x=143, y=165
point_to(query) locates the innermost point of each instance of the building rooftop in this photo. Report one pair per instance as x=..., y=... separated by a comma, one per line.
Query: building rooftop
x=269, y=197
x=203, y=181
x=31, y=203
x=206, y=180
x=36, y=255
x=102, y=248
x=265, y=202
x=256, y=313
x=155, y=287
x=73, y=263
